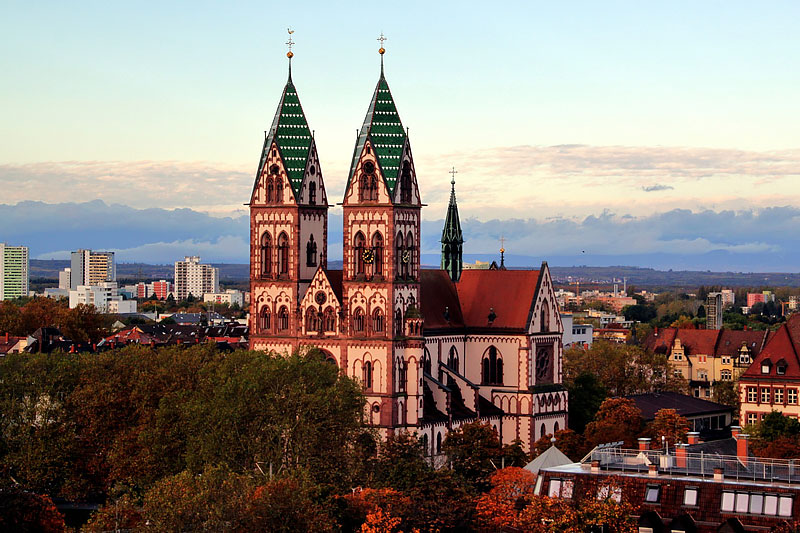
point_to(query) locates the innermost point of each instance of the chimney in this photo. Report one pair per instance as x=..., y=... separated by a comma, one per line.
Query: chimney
x=735, y=430
x=595, y=467
x=6, y=337
x=693, y=437
x=741, y=448
x=655, y=331
x=718, y=476
x=652, y=470
x=680, y=455
x=644, y=444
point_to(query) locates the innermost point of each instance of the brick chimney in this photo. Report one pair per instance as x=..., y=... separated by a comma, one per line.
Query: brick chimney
x=595, y=467
x=718, y=475
x=680, y=455
x=693, y=437
x=735, y=430
x=644, y=443
x=652, y=470
x=6, y=337
x=741, y=448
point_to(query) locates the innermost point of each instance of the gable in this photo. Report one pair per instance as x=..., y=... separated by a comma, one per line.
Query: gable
x=321, y=292
x=782, y=345
x=366, y=159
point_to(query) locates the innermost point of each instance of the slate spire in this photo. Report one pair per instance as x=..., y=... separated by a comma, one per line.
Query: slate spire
x=452, y=237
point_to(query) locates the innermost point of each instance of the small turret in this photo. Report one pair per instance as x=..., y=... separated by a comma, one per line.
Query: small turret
x=452, y=238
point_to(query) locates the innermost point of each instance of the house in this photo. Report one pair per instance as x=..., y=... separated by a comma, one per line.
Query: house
x=706, y=417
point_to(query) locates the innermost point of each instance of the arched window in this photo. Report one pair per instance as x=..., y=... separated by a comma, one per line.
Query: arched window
x=555, y=428
x=544, y=431
x=264, y=320
x=278, y=190
x=274, y=189
x=398, y=255
x=426, y=361
x=452, y=359
x=311, y=252
x=402, y=375
x=368, y=376
x=545, y=316
x=405, y=184
x=330, y=319
x=410, y=259
x=377, y=321
x=438, y=443
x=283, y=319
x=270, y=190
x=377, y=253
x=359, y=244
x=283, y=254
x=424, y=441
x=266, y=255
x=312, y=193
x=398, y=323
x=312, y=320
x=492, y=367
x=358, y=320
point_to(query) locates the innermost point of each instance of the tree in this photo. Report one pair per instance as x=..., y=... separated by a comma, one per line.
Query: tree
x=586, y=393
x=727, y=393
x=21, y=510
x=776, y=425
x=511, y=491
x=473, y=450
x=683, y=322
x=617, y=420
x=401, y=462
x=639, y=312
x=668, y=423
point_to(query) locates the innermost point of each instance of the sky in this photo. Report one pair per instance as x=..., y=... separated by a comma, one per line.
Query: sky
x=588, y=123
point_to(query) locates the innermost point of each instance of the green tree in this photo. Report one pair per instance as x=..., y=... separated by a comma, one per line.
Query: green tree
x=617, y=420
x=639, y=312
x=473, y=450
x=401, y=462
x=586, y=394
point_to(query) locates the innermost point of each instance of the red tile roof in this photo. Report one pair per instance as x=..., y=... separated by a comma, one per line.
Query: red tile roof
x=509, y=292
x=731, y=340
x=660, y=340
x=783, y=344
x=439, y=293
x=7, y=342
x=698, y=341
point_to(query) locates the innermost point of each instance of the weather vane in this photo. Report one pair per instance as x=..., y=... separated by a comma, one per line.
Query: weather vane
x=381, y=39
x=290, y=43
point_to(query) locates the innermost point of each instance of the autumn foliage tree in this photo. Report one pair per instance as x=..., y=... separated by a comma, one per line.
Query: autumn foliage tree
x=571, y=444
x=512, y=489
x=473, y=450
x=617, y=420
x=669, y=424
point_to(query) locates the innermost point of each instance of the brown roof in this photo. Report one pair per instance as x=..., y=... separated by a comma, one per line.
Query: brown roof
x=783, y=345
x=439, y=294
x=731, y=340
x=509, y=292
x=660, y=340
x=698, y=341
x=7, y=342
x=335, y=279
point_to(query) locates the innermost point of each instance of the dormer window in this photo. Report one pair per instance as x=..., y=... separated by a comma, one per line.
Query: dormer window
x=780, y=367
x=766, y=366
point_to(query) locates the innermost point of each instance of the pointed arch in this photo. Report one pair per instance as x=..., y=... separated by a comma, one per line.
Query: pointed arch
x=378, y=322
x=330, y=319
x=312, y=320
x=312, y=193
x=359, y=243
x=270, y=190
x=545, y=316
x=311, y=252
x=377, y=253
x=265, y=319
x=283, y=318
x=283, y=254
x=492, y=367
x=452, y=359
x=367, y=376
x=426, y=361
x=398, y=255
x=410, y=263
x=266, y=255
x=405, y=183
x=398, y=323
x=358, y=320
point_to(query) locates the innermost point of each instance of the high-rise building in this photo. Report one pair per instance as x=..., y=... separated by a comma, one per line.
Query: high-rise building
x=14, y=270
x=714, y=307
x=193, y=278
x=103, y=296
x=64, y=279
x=92, y=268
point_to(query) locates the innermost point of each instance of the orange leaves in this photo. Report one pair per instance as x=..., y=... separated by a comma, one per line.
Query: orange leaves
x=511, y=490
x=668, y=423
x=617, y=420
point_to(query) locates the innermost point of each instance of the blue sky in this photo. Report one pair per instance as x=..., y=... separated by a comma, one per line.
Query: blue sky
x=577, y=108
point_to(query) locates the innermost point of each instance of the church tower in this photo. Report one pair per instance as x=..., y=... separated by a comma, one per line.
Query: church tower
x=381, y=296
x=288, y=224
x=452, y=238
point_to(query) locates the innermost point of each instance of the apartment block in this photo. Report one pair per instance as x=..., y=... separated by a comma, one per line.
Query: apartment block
x=91, y=268
x=229, y=297
x=104, y=297
x=14, y=269
x=714, y=305
x=194, y=278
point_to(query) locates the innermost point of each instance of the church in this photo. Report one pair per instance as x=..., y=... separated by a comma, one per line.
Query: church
x=433, y=348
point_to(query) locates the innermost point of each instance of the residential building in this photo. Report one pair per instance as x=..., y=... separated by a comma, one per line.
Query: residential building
x=104, y=297
x=433, y=349
x=230, y=297
x=91, y=268
x=794, y=303
x=706, y=417
x=576, y=334
x=160, y=289
x=14, y=269
x=65, y=279
x=10, y=344
x=716, y=486
x=194, y=278
x=714, y=308
x=728, y=297
x=772, y=381
x=759, y=297
x=706, y=356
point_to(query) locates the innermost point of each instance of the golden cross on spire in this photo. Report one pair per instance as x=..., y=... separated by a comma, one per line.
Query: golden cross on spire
x=502, y=244
x=381, y=39
x=290, y=43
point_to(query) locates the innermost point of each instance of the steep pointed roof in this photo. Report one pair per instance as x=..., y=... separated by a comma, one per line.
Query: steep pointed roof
x=549, y=458
x=383, y=128
x=452, y=225
x=291, y=133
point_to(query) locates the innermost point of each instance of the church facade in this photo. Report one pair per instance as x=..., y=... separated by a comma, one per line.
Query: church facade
x=433, y=348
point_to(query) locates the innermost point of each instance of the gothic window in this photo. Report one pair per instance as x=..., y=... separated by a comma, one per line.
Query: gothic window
x=408, y=257
x=402, y=375
x=438, y=443
x=544, y=430
x=266, y=255
x=278, y=190
x=283, y=254
x=452, y=359
x=330, y=319
x=398, y=256
x=369, y=183
x=492, y=367
x=312, y=193
x=447, y=257
x=545, y=316
x=283, y=319
x=398, y=323
x=555, y=428
x=405, y=184
x=544, y=364
x=377, y=321
x=274, y=190
x=358, y=321
x=311, y=252
x=368, y=376
x=359, y=244
x=270, y=190
x=377, y=254
x=264, y=320
x=312, y=320
x=426, y=361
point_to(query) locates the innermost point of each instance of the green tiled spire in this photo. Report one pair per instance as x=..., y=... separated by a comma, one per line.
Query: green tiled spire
x=385, y=132
x=452, y=238
x=291, y=132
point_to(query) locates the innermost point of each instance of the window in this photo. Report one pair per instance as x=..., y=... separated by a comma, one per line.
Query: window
x=311, y=252
x=690, y=496
x=756, y=503
x=791, y=396
x=545, y=317
x=492, y=367
x=358, y=321
x=377, y=254
x=607, y=493
x=726, y=359
x=780, y=367
x=312, y=193
x=278, y=190
x=742, y=502
x=368, y=189
x=283, y=319
x=398, y=323
x=312, y=320
x=752, y=394
x=270, y=190
x=266, y=255
x=438, y=443
x=368, y=376
x=765, y=395
x=405, y=184
x=554, y=491
x=283, y=254
x=701, y=358
x=537, y=489
x=377, y=321
x=752, y=418
x=771, y=504
x=652, y=493
x=452, y=359
x=264, y=320
x=358, y=261
x=726, y=375
x=702, y=375
x=408, y=259
x=728, y=499
x=398, y=255
x=778, y=395
x=766, y=366
x=785, y=506
x=330, y=319
x=402, y=374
